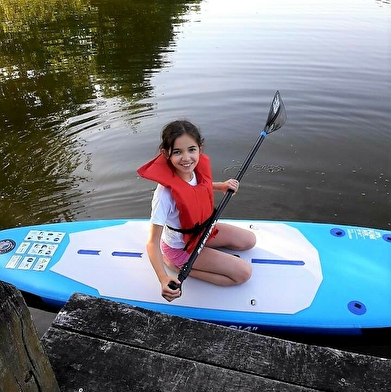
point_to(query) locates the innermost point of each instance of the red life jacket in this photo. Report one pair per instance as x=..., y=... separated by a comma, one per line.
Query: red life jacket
x=195, y=203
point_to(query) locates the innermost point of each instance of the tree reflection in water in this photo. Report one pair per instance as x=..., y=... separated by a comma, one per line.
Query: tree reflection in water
x=58, y=59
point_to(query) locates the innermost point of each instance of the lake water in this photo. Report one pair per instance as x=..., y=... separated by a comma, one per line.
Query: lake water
x=86, y=86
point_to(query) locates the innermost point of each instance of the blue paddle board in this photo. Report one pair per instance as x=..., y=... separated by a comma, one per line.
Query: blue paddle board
x=307, y=277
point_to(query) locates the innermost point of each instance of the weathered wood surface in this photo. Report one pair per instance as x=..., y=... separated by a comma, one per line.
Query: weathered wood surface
x=99, y=345
x=24, y=365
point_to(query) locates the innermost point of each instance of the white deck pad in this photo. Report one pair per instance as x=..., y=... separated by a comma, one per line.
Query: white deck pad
x=286, y=269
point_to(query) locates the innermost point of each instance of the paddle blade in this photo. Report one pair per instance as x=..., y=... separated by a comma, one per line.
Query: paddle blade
x=277, y=114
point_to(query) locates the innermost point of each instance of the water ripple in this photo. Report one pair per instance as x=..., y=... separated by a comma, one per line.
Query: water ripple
x=257, y=168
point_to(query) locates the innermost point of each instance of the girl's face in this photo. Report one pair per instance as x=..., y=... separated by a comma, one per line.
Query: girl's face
x=184, y=156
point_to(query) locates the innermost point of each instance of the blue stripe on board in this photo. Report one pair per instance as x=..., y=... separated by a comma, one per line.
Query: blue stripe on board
x=88, y=252
x=282, y=262
x=127, y=254
x=115, y=253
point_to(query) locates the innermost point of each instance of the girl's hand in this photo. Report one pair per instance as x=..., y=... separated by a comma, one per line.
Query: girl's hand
x=167, y=293
x=230, y=184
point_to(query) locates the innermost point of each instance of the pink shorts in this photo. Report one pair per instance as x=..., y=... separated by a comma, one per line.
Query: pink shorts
x=178, y=257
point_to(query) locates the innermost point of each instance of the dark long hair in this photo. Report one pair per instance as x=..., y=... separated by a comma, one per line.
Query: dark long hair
x=178, y=128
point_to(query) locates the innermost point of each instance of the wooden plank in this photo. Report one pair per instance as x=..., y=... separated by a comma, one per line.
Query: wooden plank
x=24, y=365
x=85, y=363
x=126, y=345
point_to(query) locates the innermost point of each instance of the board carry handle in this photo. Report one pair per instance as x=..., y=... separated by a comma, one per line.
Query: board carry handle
x=276, y=119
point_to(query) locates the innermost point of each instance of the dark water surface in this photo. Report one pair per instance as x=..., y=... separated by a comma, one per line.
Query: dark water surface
x=86, y=86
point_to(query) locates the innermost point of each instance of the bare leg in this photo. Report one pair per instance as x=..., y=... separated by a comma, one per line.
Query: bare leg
x=232, y=237
x=221, y=268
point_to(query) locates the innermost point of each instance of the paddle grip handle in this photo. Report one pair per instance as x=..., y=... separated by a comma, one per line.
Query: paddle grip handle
x=173, y=285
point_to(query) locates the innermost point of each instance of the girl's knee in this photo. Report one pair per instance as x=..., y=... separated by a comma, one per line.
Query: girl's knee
x=253, y=240
x=249, y=241
x=244, y=273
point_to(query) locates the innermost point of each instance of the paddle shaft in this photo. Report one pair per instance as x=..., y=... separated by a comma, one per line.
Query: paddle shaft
x=275, y=120
x=185, y=270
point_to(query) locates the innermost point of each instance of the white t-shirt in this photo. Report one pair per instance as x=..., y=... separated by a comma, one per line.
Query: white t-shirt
x=164, y=212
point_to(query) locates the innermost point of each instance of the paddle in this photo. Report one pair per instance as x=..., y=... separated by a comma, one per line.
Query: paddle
x=275, y=120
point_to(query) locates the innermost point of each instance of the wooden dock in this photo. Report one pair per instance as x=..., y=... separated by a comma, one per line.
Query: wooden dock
x=24, y=365
x=100, y=345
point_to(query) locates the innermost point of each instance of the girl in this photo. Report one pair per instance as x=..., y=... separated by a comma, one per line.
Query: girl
x=181, y=206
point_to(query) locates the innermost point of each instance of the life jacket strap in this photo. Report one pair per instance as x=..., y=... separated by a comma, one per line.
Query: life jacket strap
x=196, y=230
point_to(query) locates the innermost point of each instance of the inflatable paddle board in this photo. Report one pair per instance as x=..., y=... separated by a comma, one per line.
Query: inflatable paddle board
x=307, y=277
